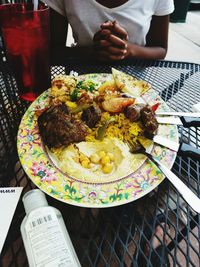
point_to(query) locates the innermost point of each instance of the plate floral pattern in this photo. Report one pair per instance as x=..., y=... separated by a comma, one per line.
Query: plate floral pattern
x=53, y=182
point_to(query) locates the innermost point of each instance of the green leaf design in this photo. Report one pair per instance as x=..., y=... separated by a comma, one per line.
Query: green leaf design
x=120, y=197
x=104, y=202
x=113, y=197
x=126, y=195
x=54, y=192
x=34, y=152
x=39, y=154
x=78, y=199
x=66, y=187
x=116, y=197
x=158, y=171
x=119, y=188
x=71, y=190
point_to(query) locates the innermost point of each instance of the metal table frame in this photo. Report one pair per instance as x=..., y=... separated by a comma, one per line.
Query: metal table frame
x=110, y=237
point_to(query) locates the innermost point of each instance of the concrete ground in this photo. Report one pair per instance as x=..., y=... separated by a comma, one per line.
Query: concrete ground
x=184, y=39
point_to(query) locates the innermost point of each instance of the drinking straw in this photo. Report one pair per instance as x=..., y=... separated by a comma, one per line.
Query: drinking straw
x=35, y=5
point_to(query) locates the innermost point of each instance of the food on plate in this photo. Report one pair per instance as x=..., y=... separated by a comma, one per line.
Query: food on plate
x=89, y=124
x=149, y=120
x=61, y=87
x=133, y=112
x=108, y=86
x=116, y=126
x=116, y=104
x=84, y=92
x=145, y=114
x=129, y=84
x=91, y=116
x=57, y=127
x=96, y=162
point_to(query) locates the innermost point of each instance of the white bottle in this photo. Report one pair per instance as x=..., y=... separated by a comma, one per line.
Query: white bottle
x=46, y=240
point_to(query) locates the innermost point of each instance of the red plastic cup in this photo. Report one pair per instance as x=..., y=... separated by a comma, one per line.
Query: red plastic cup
x=26, y=39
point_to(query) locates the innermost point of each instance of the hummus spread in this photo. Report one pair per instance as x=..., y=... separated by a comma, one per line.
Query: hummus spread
x=123, y=162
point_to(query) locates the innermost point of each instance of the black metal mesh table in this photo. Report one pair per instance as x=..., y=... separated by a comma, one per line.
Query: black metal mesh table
x=111, y=236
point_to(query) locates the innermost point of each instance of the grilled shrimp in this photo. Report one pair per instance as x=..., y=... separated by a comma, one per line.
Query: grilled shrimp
x=117, y=105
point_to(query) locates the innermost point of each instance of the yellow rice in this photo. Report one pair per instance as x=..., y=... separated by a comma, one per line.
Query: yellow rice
x=121, y=128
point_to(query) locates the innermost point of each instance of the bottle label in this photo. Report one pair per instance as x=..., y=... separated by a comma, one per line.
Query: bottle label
x=45, y=236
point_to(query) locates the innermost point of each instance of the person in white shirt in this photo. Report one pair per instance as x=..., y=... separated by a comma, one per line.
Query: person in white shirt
x=111, y=29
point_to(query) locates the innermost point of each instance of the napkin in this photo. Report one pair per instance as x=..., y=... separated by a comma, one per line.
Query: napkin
x=9, y=197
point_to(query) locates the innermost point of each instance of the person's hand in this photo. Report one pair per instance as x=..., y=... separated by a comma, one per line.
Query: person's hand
x=115, y=29
x=111, y=41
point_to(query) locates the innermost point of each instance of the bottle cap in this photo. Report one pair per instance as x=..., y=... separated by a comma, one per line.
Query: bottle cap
x=34, y=199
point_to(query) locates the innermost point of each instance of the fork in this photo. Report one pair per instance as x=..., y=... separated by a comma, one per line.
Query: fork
x=186, y=193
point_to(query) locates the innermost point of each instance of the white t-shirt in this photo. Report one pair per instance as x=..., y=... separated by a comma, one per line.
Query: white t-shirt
x=86, y=16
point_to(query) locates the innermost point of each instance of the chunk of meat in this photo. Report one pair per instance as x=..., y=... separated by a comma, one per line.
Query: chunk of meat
x=149, y=120
x=132, y=112
x=58, y=128
x=91, y=116
x=85, y=98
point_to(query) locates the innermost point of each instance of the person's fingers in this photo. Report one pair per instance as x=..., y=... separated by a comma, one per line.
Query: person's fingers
x=105, y=33
x=101, y=39
x=104, y=43
x=117, y=41
x=107, y=25
x=116, y=51
x=101, y=34
x=97, y=36
x=116, y=29
x=121, y=32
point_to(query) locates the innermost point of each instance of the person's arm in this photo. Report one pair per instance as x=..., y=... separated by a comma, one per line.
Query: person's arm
x=112, y=41
x=58, y=36
x=156, y=41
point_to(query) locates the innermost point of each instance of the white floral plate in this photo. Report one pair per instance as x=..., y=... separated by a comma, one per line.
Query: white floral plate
x=42, y=171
